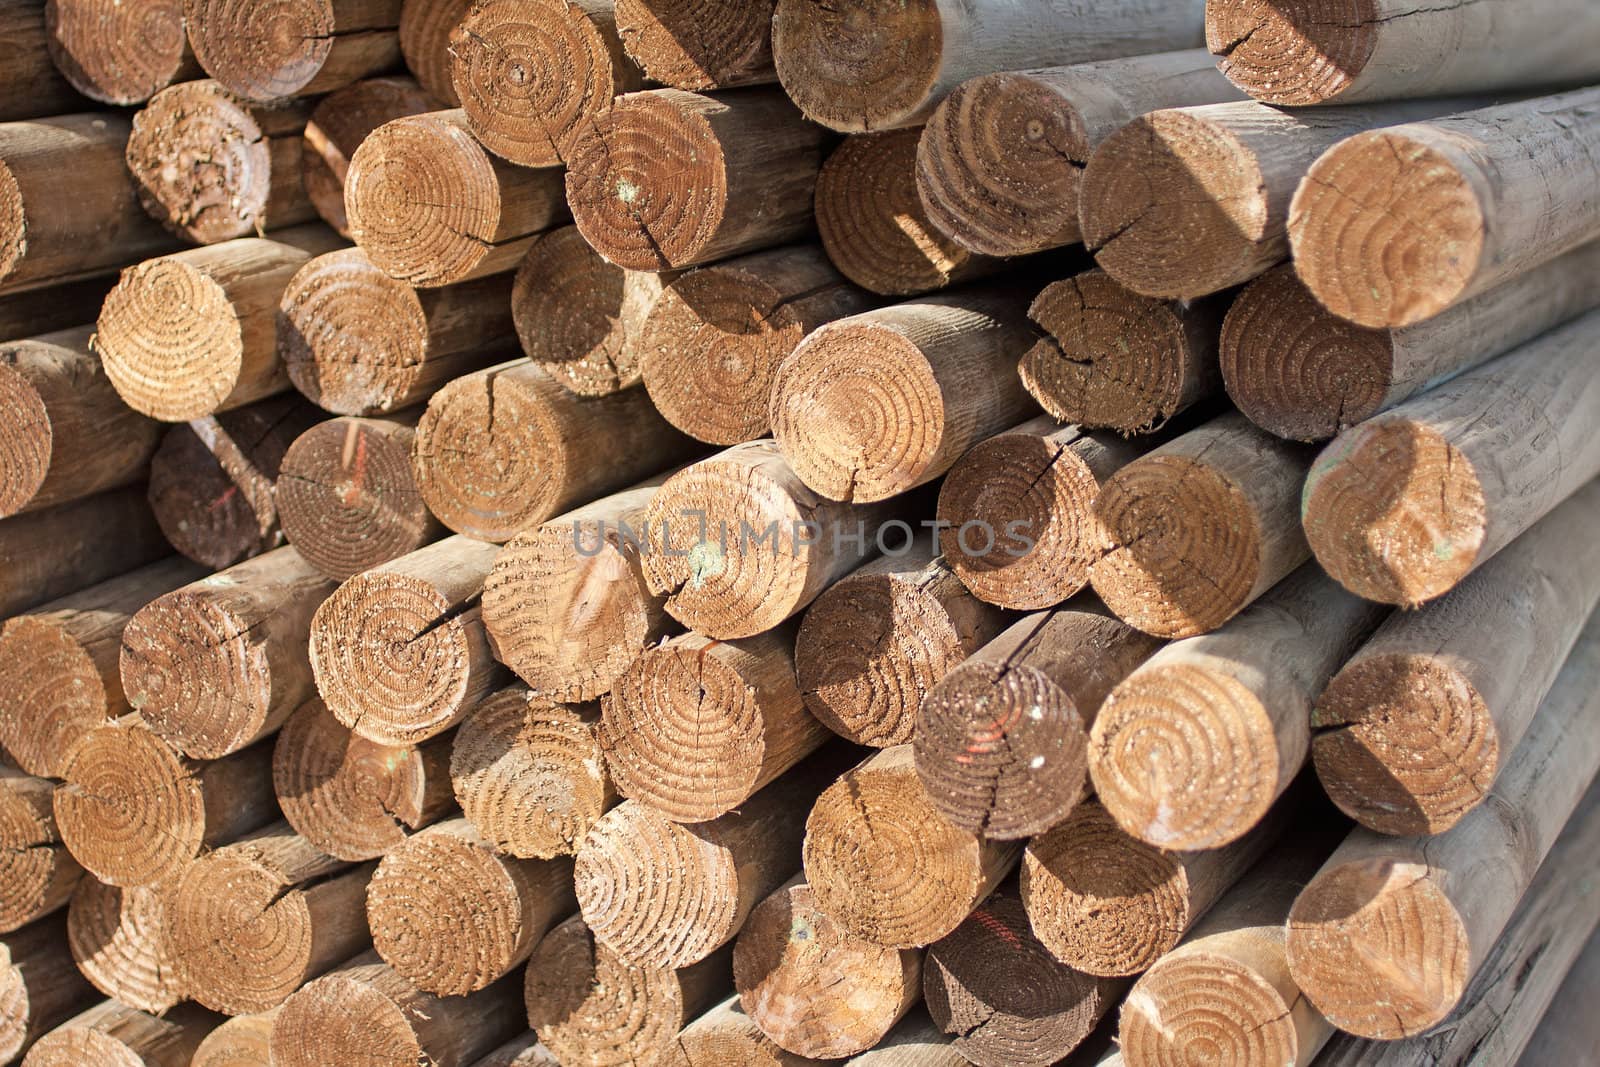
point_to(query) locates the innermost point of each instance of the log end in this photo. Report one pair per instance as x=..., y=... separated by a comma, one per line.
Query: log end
x=51, y=694
x=313, y=1029
x=117, y=53
x=860, y=66
x=37, y=871
x=425, y=29
x=688, y=45
x=119, y=938
x=263, y=52
x=27, y=440
x=1293, y=54
x=1202, y=1006
x=72, y=1046
x=13, y=223
x=569, y=306
x=341, y=121
x=16, y=1006
x=201, y=510
x=242, y=1042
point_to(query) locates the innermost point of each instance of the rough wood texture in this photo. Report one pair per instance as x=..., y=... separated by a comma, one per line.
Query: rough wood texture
x=1493, y=194
x=46, y=555
x=341, y=121
x=347, y=497
x=860, y=65
x=358, y=342
x=1001, y=159
x=1112, y=359
x=39, y=986
x=120, y=941
x=916, y=1042
x=1569, y=1031
x=508, y=448
x=485, y=225
x=525, y=1051
x=453, y=916
x=30, y=84
x=400, y=652
x=699, y=44
x=1193, y=749
x=56, y=307
x=871, y=406
x=530, y=774
x=669, y=178
x=115, y=1035
x=726, y=1036
x=876, y=643
x=211, y=167
x=814, y=989
x=535, y=76
x=425, y=30
x=37, y=874
x=293, y=47
x=712, y=344
x=244, y=1041
x=116, y=52
x=136, y=813
x=352, y=798
x=1002, y=742
x=1404, y=506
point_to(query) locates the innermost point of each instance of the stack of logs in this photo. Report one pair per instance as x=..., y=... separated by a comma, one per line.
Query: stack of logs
x=714, y=532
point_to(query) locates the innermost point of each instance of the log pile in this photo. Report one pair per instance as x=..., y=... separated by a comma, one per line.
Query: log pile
x=715, y=532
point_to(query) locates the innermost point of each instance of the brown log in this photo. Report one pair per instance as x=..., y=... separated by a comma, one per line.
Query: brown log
x=699, y=44
x=525, y=1051
x=294, y=48
x=1504, y=190
x=398, y=1023
x=916, y=1042
x=485, y=226
x=358, y=342
x=400, y=652
x=1001, y=159
x=567, y=605
x=221, y=663
x=244, y=1041
x=714, y=340
x=874, y=226
x=814, y=989
x=352, y=798
x=593, y=1008
x=120, y=940
x=136, y=813
x=726, y=1037
x=425, y=30
x=1001, y=743
x=1200, y=528
x=341, y=121
x=886, y=866
x=767, y=547
x=39, y=986
x=858, y=65
x=507, y=448
x=874, y=645
x=37, y=874
x=533, y=77
x=347, y=497
x=119, y=53
x=30, y=84
x=115, y=1035
x=1404, y=506
x=944, y=366
x=669, y=178
x=67, y=433
x=50, y=554
x=211, y=167
x=54, y=231
x=452, y=916
x=32, y=313
x=1112, y=359
x=213, y=481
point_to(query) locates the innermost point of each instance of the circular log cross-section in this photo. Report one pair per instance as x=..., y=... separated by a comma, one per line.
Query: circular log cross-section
x=116, y=1035
x=425, y=30
x=292, y=47
x=120, y=941
x=244, y=1041
x=116, y=52
x=341, y=121
x=36, y=869
x=699, y=44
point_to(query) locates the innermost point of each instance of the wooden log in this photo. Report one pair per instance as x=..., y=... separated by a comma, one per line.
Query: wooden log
x=1569, y=1031
x=425, y=30
x=1003, y=998
x=1316, y=53
x=37, y=873
x=31, y=84
x=67, y=434
x=117, y=1035
x=1386, y=938
x=358, y=342
x=1506, y=188
x=1001, y=159
x=725, y=1035
x=39, y=986
x=669, y=178
x=1114, y=360
x=296, y=48
x=399, y=1022
x=698, y=45
x=347, y=497
x=525, y=1051
x=506, y=449
x=533, y=77
x=341, y=121
x=50, y=554
x=484, y=227
x=350, y=797
x=766, y=547
x=591, y=1006
x=136, y=813
x=400, y=652
x=1001, y=743
x=120, y=940
x=1411, y=734
x=243, y=1041
x=54, y=231
x=1200, y=528
x=1404, y=506
x=1193, y=749
x=945, y=365
x=874, y=226
x=221, y=663
x=119, y=53
x=33, y=313
x=1189, y=201
x=812, y=988
x=859, y=66
x=213, y=481
x=886, y=866
x=712, y=343
x=874, y=645
x=452, y=916
x=916, y=1042
x=211, y=167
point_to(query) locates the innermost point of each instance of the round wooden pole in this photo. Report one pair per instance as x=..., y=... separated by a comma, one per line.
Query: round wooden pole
x=56, y=307
x=425, y=30
x=244, y=1041
x=116, y=1035
x=119, y=53
x=37, y=873
x=47, y=555
x=916, y=1042
x=294, y=47
x=31, y=84
x=341, y=121
x=39, y=986
x=699, y=44
x=726, y=1037
x=525, y=1051
x=121, y=942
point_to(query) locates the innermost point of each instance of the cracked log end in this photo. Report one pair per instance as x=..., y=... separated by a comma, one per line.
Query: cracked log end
x=291, y=47
x=341, y=121
x=693, y=44
x=119, y=53
x=1293, y=53
x=859, y=66
x=120, y=940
